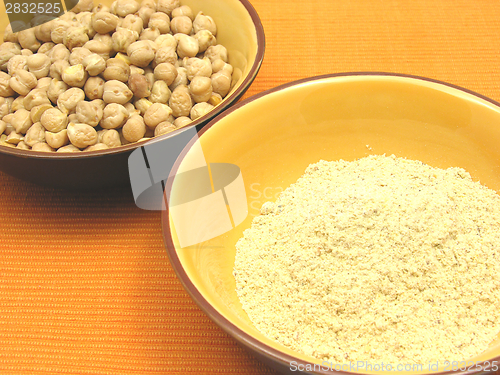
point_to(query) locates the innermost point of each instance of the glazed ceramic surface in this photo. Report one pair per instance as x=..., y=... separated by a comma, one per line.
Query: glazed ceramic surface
x=274, y=136
x=239, y=30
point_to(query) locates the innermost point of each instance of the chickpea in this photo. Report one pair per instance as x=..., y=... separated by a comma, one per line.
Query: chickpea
x=100, y=103
x=23, y=146
x=83, y=6
x=133, y=22
x=200, y=109
x=181, y=24
x=86, y=23
x=123, y=38
x=149, y=34
x=100, y=8
x=35, y=97
x=131, y=109
x=180, y=79
x=167, y=6
x=90, y=113
x=136, y=70
x=9, y=128
x=28, y=40
x=141, y=53
x=7, y=50
x=35, y=134
x=69, y=16
x=116, y=92
x=59, y=52
x=161, y=21
x=94, y=64
x=145, y=13
x=68, y=148
x=160, y=93
x=116, y=69
x=156, y=113
x=5, y=89
x=45, y=48
x=4, y=108
x=72, y=118
x=39, y=65
x=218, y=65
x=187, y=46
x=164, y=127
x=114, y=116
x=37, y=112
x=183, y=10
x=94, y=88
x=42, y=147
x=104, y=22
x=205, y=39
x=109, y=137
x=126, y=7
x=182, y=121
x=26, y=52
x=3, y=126
x=139, y=85
x=14, y=138
x=134, y=129
x=17, y=62
x=68, y=100
x=43, y=31
x=198, y=67
x=17, y=103
x=202, y=22
x=166, y=40
x=78, y=54
x=43, y=83
x=123, y=57
x=99, y=48
x=221, y=83
x=150, y=76
x=81, y=135
x=21, y=121
x=58, y=139
x=142, y=105
x=59, y=28
x=53, y=120
x=216, y=52
x=74, y=75
x=165, y=72
x=75, y=37
x=106, y=39
x=56, y=69
x=9, y=36
x=149, y=4
x=166, y=54
x=55, y=89
x=201, y=89
x=22, y=82
x=97, y=147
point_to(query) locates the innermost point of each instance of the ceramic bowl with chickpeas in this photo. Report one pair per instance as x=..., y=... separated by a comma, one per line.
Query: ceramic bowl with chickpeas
x=79, y=93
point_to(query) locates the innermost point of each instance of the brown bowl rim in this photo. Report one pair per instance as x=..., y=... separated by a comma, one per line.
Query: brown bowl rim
x=249, y=342
x=229, y=100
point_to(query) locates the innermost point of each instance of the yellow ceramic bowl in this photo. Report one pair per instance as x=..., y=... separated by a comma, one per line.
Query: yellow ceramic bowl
x=272, y=137
x=238, y=29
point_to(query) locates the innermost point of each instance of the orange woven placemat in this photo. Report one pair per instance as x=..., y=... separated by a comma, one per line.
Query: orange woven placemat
x=86, y=286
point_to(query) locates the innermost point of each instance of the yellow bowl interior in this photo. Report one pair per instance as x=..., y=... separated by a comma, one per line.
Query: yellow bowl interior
x=275, y=137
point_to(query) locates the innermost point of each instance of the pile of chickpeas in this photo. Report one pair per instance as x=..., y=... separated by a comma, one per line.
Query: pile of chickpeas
x=100, y=77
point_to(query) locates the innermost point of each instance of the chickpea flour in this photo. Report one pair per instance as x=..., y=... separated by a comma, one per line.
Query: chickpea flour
x=380, y=259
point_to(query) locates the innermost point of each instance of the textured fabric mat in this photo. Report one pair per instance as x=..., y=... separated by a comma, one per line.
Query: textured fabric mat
x=86, y=286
